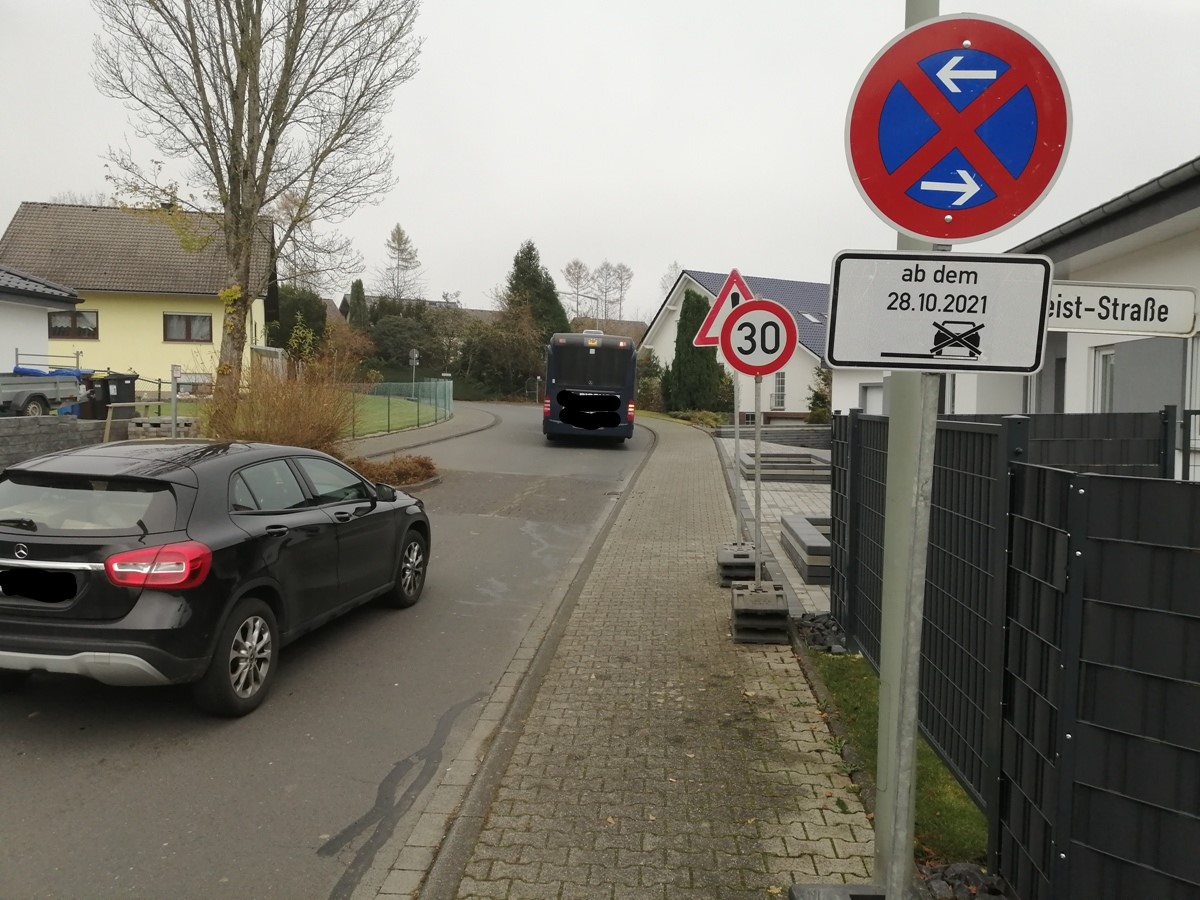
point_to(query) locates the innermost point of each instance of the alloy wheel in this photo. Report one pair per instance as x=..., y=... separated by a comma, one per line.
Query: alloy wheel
x=250, y=657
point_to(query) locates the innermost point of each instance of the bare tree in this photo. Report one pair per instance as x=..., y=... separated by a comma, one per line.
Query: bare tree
x=604, y=287
x=94, y=198
x=623, y=277
x=260, y=100
x=400, y=279
x=669, y=278
x=579, y=280
x=310, y=257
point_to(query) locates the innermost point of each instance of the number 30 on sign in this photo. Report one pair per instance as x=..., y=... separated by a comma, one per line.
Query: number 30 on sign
x=759, y=337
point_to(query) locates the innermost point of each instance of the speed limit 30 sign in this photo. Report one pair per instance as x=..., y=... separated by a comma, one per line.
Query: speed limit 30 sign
x=759, y=337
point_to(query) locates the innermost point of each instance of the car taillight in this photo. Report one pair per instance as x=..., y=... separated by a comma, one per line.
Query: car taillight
x=546, y=407
x=630, y=410
x=183, y=565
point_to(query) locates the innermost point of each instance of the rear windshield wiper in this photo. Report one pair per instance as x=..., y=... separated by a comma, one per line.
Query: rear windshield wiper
x=26, y=524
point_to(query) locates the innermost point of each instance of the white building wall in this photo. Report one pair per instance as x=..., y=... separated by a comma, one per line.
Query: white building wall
x=846, y=392
x=970, y=394
x=799, y=376
x=1174, y=262
x=23, y=328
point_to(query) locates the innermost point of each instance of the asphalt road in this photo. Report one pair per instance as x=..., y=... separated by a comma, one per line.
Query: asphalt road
x=124, y=792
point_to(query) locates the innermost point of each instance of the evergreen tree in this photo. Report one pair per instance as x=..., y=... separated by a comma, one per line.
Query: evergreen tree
x=695, y=376
x=819, y=399
x=358, y=315
x=297, y=306
x=530, y=283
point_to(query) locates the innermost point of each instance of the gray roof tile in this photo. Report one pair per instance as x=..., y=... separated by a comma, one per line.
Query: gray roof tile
x=107, y=248
x=14, y=282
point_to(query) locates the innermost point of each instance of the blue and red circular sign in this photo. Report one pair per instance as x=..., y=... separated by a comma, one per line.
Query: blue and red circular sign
x=958, y=128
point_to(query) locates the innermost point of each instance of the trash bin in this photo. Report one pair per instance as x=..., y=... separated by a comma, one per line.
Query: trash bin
x=112, y=388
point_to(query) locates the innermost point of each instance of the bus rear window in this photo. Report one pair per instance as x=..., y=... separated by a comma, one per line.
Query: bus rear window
x=590, y=366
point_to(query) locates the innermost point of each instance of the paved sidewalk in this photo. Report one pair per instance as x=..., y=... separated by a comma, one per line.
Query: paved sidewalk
x=656, y=758
x=780, y=499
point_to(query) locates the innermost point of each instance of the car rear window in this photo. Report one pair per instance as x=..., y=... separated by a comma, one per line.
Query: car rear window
x=66, y=503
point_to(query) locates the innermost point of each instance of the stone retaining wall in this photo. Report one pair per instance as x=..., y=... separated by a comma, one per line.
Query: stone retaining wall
x=22, y=437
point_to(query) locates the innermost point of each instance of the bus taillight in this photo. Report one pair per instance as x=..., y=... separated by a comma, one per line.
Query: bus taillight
x=630, y=410
x=546, y=407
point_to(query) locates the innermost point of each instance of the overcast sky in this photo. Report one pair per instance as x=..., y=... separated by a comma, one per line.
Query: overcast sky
x=644, y=132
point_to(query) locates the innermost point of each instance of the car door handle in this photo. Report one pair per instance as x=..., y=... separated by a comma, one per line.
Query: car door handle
x=277, y=530
x=343, y=516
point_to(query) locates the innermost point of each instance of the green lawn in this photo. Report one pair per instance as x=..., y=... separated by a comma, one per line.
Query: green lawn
x=374, y=414
x=949, y=826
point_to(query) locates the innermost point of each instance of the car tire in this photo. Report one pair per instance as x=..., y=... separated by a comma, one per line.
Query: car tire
x=410, y=573
x=244, y=663
x=11, y=679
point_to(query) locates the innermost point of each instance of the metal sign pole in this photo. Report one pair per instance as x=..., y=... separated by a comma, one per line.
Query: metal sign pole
x=175, y=373
x=737, y=450
x=757, y=483
x=912, y=429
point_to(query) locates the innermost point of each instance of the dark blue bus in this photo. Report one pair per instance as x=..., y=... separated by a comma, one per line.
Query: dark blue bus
x=591, y=379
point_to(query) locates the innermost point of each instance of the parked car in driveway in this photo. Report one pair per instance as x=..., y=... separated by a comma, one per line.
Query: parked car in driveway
x=191, y=561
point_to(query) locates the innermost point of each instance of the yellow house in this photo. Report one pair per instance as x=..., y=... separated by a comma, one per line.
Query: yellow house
x=148, y=281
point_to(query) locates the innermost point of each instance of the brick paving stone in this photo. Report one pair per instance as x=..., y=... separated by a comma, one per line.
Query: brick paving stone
x=665, y=759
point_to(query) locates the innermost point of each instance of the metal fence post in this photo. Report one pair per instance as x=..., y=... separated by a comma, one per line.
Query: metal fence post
x=853, y=500
x=1014, y=448
x=1067, y=703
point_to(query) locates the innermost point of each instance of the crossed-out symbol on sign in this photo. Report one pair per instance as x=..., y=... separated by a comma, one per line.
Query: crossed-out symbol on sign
x=945, y=339
x=959, y=130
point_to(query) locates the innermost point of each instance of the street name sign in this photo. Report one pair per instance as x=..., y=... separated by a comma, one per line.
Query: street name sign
x=957, y=128
x=1122, y=308
x=734, y=291
x=759, y=337
x=938, y=312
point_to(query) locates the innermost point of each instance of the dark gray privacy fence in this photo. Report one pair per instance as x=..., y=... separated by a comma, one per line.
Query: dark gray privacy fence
x=1060, y=675
x=1138, y=444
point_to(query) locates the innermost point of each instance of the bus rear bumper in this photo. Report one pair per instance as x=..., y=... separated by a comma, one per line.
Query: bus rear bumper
x=556, y=428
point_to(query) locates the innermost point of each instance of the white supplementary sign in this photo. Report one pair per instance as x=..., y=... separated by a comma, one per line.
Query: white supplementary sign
x=1122, y=308
x=938, y=312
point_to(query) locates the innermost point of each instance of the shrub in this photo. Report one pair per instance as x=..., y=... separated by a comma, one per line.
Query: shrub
x=399, y=470
x=702, y=417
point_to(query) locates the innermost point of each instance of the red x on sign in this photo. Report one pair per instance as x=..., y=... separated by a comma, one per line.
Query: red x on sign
x=957, y=129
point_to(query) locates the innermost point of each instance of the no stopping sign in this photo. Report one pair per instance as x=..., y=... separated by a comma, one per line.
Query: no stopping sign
x=759, y=337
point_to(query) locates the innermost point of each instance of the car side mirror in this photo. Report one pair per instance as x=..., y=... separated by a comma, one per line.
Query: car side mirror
x=385, y=492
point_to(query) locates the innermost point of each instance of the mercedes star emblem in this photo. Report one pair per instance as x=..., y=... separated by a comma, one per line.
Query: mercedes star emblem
x=21, y=551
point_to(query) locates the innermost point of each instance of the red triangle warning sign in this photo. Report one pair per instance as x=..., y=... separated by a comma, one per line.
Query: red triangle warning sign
x=734, y=292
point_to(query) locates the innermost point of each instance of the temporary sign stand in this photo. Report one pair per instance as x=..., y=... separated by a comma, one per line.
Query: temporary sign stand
x=758, y=338
x=733, y=292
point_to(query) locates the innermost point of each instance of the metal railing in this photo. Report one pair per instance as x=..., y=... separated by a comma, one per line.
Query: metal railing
x=388, y=407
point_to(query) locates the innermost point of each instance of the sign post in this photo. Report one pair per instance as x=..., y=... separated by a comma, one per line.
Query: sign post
x=734, y=291
x=176, y=374
x=414, y=358
x=758, y=338
x=955, y=131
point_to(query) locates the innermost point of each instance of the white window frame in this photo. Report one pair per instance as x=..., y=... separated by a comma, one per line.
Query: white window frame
x=779, y=395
